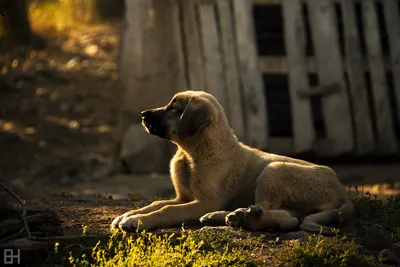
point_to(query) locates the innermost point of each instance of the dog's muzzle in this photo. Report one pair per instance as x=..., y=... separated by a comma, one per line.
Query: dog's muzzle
x=152, y=122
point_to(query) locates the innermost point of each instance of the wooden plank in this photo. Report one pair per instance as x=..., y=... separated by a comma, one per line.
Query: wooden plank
x=386, y=136
x=250, y=74
x=303, y=128
x=282, y=146
x=231, y=74
x=392, y=19
x=330, y=71
x=212, y=53
x=192, y=46
x=276, y=2
x=285, y=146
x=280, y=65
x=266, y=2
x=355, y=69
x=177, y=21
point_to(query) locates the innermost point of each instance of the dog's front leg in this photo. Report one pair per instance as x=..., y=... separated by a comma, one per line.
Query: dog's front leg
x=167, y=216
x=156, y=205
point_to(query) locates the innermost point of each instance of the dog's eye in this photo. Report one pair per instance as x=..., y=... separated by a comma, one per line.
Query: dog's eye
x=172, y=107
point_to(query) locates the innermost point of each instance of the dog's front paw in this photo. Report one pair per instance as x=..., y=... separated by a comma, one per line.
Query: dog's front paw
x=116, y=221
x=131, y=224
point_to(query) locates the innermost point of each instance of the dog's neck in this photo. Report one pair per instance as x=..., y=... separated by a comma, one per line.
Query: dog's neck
x=205, y=144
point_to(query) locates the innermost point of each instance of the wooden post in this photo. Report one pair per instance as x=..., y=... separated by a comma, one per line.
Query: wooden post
x=330, y=71
x=151, y=72
x=212, y=53
x=231, y=74
x=355, y=69
x=387, y=143
x=250, y=75
x=192, y=45
x=392, y=19
x=303, y=128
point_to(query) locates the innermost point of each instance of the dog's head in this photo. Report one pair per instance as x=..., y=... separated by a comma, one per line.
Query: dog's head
x=185, y=116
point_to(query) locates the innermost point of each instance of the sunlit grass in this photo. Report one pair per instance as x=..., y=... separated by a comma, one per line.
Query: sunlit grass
x=56, y=15
x=190, y=249
x=318, y=250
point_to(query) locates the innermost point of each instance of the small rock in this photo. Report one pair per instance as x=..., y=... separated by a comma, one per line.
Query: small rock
x=387, y=256
x=91, y=50
x=72, y=63
x=360, y=248
x=73, y=124
x=298, y=235
x=142, y=152
x=376, y=238
x=396, y=249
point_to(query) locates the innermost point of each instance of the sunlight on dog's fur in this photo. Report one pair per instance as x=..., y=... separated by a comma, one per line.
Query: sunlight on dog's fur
x=220, y=181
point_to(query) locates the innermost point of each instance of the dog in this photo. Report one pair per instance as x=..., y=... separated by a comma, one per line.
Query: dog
x=221, y=181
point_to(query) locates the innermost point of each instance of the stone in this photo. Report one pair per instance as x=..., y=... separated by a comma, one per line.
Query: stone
x=91, y=50
x=396, y=249
x=297, y=235
x=376, y=238
x=389, y=257
x=143, y=153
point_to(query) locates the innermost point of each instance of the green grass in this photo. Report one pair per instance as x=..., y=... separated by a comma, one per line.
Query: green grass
x=219, y=248
x=56, y=15
x=190, y=249
x=369, y=209
x=318, y=250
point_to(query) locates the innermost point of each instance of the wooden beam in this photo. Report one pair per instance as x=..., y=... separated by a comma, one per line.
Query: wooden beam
x=277, y=65
x=392, y=19
x=250, y=75
x=285, y=146
x=355, y=70
x=231, y=74
x=303, y=128
x=277, y=2
x=321, y=91
x=386, y=138
x=330, y=71
x=267, y=2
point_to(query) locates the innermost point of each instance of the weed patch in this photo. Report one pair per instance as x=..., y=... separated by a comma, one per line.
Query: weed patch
x=189, y=249
x=319, y=251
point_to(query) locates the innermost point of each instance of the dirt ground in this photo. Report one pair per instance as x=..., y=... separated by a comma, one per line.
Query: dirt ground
x=58, y=116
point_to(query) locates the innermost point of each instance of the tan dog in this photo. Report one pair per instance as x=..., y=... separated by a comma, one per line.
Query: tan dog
x=222, y=181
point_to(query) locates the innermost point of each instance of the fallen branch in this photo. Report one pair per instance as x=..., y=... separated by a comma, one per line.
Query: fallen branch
x=23, y=215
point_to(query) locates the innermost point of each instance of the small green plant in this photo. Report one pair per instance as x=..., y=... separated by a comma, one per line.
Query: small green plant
x=149, y=249
x=320, y=251
x=84, y=230
x=384, y=212
x=396, y=234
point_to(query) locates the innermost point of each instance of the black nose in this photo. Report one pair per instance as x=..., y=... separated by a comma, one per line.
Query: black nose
x=145, y=114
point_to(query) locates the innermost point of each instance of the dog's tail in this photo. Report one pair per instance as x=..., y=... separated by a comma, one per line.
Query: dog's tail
x=316, y=223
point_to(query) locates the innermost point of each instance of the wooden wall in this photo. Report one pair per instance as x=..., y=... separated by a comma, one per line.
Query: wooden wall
x=294, y=76
x=334, y=66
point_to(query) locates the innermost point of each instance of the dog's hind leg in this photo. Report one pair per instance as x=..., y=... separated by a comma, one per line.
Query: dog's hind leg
x=316, y=223
x=268, y=212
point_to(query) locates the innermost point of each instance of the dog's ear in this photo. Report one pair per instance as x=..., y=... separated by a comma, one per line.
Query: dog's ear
x=195, y=116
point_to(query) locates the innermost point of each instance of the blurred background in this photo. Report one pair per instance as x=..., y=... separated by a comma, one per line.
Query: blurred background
x=317, y=81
